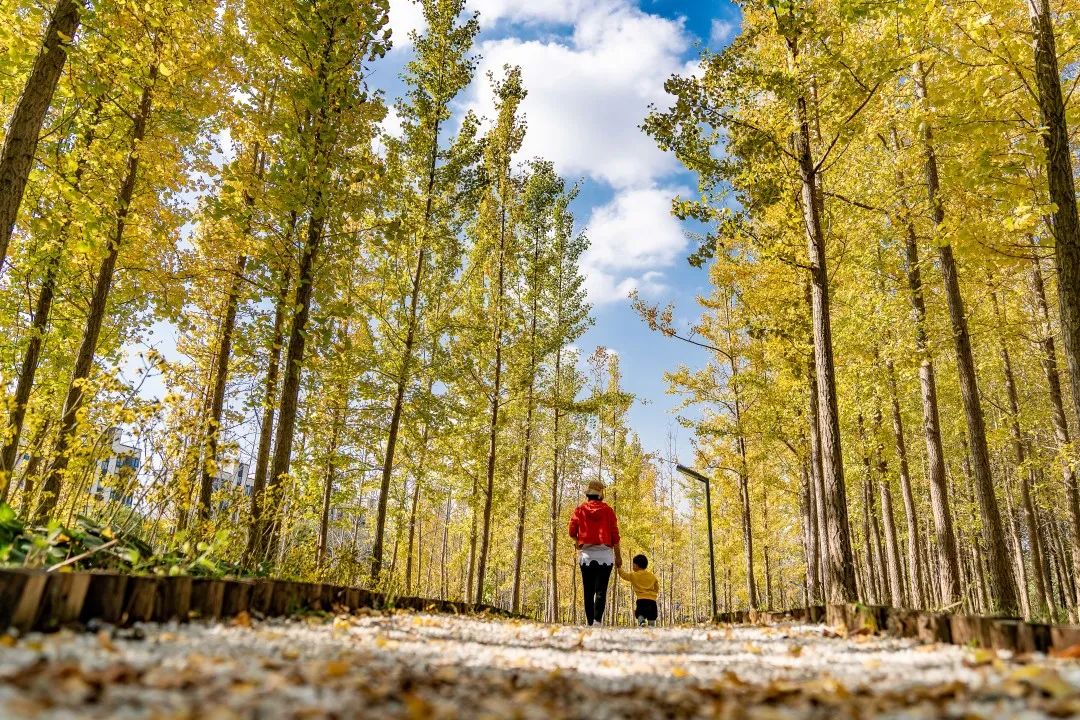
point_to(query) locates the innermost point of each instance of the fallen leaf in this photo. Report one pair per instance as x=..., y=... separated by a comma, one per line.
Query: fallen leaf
x=980, y=657
x=105, y=642
x=242, y=619
x=795, y=650
x=1070, y=653
x=1046, y=680
x=417, y=707
x=335, y=668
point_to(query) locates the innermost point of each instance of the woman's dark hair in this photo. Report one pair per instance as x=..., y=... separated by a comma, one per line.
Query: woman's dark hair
x=592, y=497
x=641, y=561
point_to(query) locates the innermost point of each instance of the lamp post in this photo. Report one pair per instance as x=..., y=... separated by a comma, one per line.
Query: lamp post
x=708, y=513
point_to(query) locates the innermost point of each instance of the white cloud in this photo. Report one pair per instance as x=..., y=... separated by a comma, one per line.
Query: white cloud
x=632, y=238
x=530, y=11
x=589, y=91
x=405, y=16
x=721, y=32
x=589, y=85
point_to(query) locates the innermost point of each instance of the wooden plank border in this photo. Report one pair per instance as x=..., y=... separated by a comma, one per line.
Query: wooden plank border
x=999, y=633
x=36, y=600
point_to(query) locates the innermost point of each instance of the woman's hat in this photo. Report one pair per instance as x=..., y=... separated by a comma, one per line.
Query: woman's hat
x=595, y=488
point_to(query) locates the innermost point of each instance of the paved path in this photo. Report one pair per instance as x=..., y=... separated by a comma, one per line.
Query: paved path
x=424, y=666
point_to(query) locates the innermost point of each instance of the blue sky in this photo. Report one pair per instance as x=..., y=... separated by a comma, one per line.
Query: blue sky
x=592, y=67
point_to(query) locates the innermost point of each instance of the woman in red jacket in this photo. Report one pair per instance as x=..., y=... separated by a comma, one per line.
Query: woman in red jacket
x=595, y=529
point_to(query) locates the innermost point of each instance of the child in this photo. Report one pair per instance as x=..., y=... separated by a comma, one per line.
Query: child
x=646, y=588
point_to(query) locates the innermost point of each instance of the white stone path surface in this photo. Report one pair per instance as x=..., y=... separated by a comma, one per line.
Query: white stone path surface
x=423, y=666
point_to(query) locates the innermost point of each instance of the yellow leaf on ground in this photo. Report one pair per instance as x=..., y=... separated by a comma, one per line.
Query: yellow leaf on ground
x=1046, y=680
x=336, y=668
x=980, y=656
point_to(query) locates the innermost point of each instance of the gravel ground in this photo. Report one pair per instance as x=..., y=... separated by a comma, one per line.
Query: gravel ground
x=423, y=666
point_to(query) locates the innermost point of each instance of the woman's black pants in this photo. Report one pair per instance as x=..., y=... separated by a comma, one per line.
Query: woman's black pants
x=594, y=581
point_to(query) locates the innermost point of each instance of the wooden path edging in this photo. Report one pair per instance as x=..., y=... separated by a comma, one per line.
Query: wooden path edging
x=39, y=600
x=998, y=633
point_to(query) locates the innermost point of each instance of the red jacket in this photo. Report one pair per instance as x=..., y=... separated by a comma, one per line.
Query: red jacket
x=594, y=523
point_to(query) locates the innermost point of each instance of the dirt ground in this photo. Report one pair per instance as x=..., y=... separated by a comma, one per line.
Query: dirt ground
x=407, y=665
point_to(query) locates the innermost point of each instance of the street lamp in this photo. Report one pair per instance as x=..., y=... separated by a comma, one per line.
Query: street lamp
x=708, y=511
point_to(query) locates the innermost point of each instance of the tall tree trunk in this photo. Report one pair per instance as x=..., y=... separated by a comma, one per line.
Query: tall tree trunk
x=417, y=480
x=918, y=594
x=328, y=483
x=895, y=569
x=1024, y=471
x=868, y=592
x=747, y=529
x=40, y=321
x=810, y=536
x=496, y=397
x=316, y=178
x=266, y=429
x=444, y=584
x=816, y=474
x=1057, y=405
x=294, y=361
x=949, y=567
x=744, y=469
x=395, y=420
x=24, y=127
x=406, y=359
x=470, y=584
x=414, y=506
x=934, y=585
x=1052, y=558
x=1059, y=174
x=84, y=360
x=555, y=529
x=1002, y=589
x=840, y=568
x=875, y=554
x=526, y=461
x=765, y=549
x=207, y=469
x=806, y=513
x=1020, y=571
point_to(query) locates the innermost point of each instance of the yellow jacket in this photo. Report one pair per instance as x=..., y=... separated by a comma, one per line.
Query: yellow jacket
x=645, y=584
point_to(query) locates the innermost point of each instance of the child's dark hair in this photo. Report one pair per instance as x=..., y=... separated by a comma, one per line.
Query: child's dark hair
x=592, y=497
x=641, y=561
